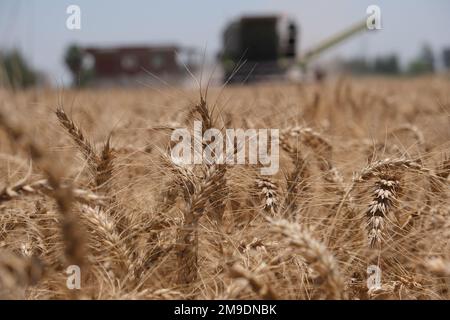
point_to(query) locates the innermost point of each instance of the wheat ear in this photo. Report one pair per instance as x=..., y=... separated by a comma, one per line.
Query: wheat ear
x=187, y=239
x=79, y=138
x=43, y=186
x=384, y=197
x=105, y=167
x=261, y=289
x=316, y=255
x=104, y=229
x=268, y=190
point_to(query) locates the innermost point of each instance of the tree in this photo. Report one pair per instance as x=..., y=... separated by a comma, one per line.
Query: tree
x=18, y=73
x=74, y=60
x=446, y=58
x=358, y=66
x=424, y=63
x=387, y=65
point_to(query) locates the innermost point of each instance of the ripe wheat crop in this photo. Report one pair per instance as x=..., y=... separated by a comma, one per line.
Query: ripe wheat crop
x=86, y=179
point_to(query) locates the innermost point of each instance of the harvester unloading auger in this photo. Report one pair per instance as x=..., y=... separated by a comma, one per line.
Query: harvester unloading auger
x=265, y=48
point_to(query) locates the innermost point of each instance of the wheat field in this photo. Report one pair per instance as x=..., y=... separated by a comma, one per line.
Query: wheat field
x=86, y=180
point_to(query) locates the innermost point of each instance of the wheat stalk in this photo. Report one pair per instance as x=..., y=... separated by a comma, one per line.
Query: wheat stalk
x=295, y=180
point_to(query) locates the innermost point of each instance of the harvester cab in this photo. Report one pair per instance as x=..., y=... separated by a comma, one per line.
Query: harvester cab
x=258, y=47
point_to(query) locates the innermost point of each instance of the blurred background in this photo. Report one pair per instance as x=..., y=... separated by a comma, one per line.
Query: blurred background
x=141, y=43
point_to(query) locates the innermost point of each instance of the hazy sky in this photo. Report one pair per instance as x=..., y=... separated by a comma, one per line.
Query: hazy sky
x=38, y=27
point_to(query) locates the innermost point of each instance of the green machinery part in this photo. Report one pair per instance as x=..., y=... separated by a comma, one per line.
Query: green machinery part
x=331, y=42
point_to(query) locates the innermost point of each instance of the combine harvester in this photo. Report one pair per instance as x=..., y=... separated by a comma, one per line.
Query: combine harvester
x=264, y=48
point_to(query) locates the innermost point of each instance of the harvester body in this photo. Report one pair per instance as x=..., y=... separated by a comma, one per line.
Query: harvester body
x=265, y=48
